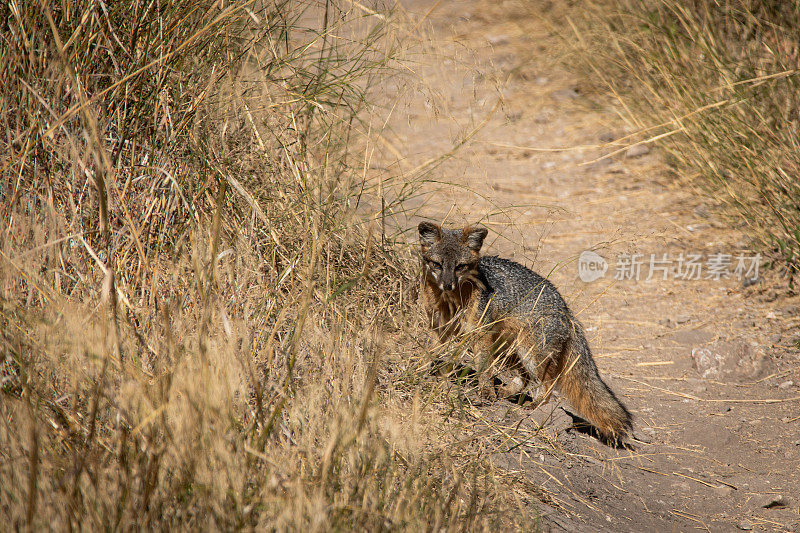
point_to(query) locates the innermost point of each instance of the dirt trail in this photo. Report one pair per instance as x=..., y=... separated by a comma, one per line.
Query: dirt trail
x=723, y=446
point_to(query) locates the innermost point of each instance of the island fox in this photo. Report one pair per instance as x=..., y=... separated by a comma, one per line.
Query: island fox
x=517, y=315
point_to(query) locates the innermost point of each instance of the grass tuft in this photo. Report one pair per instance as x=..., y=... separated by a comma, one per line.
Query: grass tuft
x=198, y=327
x=716, y=84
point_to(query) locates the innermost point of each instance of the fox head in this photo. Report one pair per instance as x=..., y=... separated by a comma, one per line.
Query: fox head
x=450, y=257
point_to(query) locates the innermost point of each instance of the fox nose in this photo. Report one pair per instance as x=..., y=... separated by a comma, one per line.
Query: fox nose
x=450, y=286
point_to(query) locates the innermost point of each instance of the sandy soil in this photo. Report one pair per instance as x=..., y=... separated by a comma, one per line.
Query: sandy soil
x=724, y=444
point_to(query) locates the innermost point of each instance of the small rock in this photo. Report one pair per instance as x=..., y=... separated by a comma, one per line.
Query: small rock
x=497, y=40
x=644, y=435
x=547, y=165
x=746, y=282
x=697, y=227
x=608, y=137
x=789, y=310
x=565, y=94
x=683, y=319
x=637, y=150
x=706, y=364
x=666, y=322
x=541, y=80
x=746, y=324
x=745, y=525
x=786, y=385
x=775, y=501
x=723, y=491
x=730, y=361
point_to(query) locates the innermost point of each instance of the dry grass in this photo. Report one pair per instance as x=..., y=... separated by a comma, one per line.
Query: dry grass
x=716, y=84
x=199, y=328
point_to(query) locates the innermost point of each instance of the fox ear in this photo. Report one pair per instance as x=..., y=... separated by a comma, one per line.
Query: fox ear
x=429, y=233
x=473, y=237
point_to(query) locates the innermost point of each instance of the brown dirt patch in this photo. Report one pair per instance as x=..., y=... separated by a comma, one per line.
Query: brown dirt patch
x=721, y=448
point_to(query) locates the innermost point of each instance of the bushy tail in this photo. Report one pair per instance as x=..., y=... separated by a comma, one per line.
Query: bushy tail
x=581, y=384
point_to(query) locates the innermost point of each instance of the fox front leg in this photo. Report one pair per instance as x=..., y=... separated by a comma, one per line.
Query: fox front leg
x=484, y=360
x=486, y=388
x=496, y=357
x=514, y=386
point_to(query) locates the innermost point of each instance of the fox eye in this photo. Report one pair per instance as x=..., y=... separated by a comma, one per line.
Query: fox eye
x=462, y=267
x=434, y=265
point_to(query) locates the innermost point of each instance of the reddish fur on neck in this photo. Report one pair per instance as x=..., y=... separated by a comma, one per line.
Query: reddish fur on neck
x=447, y=305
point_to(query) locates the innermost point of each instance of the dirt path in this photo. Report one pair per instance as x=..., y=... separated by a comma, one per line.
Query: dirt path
x=725, y=447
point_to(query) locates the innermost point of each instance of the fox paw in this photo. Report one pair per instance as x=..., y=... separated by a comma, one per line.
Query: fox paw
x=487, y=391
x=512, y=388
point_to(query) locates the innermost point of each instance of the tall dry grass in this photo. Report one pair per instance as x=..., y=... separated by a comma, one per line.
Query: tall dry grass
x=199, y=328
x=718, y=85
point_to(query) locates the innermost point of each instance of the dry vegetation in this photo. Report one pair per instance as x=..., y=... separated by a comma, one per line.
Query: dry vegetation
x=718, y=85
x=198, y=329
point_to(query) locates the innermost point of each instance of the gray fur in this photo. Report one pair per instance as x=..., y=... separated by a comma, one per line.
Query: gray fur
x=521, y=311
x=512, y=289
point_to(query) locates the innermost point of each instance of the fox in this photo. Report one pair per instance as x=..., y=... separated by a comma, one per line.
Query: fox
x=514, y=316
